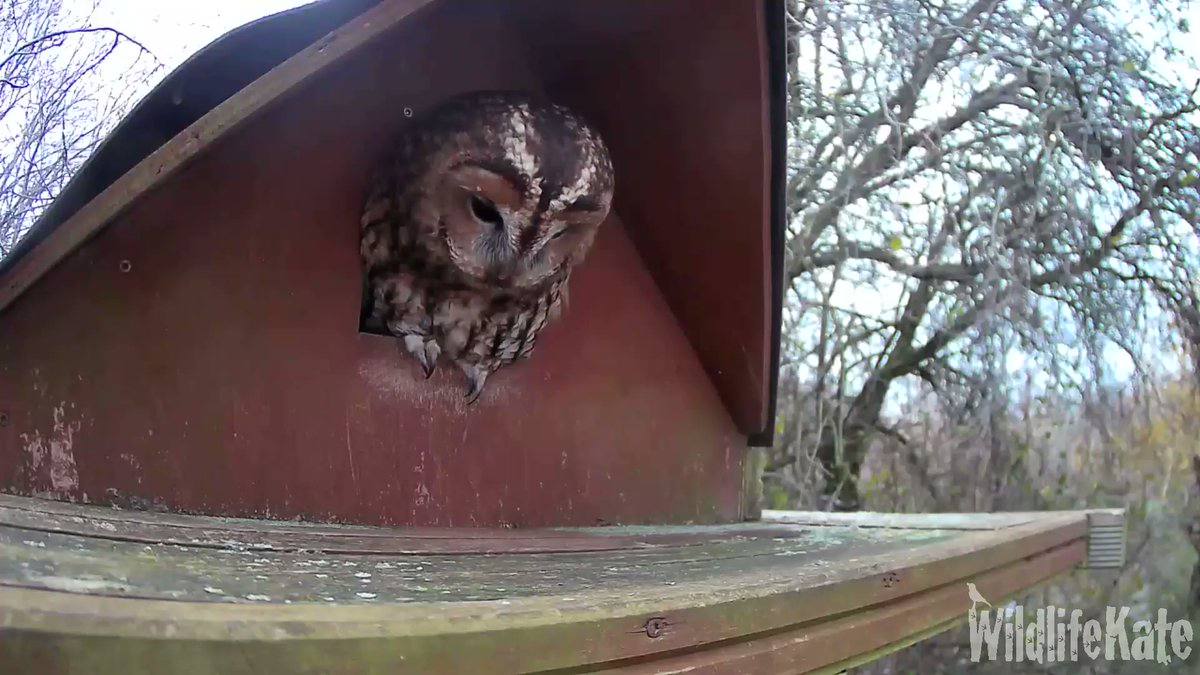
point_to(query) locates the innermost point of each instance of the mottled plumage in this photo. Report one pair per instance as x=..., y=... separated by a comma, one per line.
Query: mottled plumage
x=473, y=225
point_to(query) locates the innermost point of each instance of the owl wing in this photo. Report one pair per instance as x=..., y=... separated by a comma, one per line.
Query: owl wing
x=378, y=224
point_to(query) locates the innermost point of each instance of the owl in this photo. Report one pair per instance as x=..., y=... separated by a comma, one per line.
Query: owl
x=473, y=225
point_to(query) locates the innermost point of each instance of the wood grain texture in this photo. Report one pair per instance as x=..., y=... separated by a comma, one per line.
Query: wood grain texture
x=914, y=521
x=747, y=602
x=251, y=535
x=831, y=646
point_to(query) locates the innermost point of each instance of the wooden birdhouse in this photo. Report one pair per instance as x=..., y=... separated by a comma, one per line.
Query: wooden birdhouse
x=180, y=338
x=188, y=312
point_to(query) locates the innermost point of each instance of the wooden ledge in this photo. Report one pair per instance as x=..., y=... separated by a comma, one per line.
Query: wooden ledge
x=89, y=589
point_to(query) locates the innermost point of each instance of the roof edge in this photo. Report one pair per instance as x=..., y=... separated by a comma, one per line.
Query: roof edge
x=203, y=81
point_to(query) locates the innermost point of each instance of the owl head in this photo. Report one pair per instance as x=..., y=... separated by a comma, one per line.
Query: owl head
x=509, y=189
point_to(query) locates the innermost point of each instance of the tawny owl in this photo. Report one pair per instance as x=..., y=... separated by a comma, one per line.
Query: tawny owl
x=473, y=225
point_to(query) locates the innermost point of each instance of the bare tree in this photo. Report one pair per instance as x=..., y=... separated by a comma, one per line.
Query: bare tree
x=1131, y=446
x=64, y=83
x=975, y=184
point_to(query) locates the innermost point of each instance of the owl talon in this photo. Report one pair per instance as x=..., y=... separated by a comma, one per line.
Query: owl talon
x=429, y=357
x=421, y=351
x=477, y=378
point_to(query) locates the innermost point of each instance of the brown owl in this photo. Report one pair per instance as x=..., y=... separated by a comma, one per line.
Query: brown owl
x=473, y=225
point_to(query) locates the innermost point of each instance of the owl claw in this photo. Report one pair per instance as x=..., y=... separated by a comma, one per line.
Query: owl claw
x=425, y=352
x=427, y=366
x=477, y=378
x=430, y=353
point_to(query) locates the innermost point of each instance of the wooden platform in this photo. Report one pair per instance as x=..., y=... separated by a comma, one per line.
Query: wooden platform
x=88, y=589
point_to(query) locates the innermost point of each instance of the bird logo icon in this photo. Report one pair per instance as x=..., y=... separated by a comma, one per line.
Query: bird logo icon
x=976, y=596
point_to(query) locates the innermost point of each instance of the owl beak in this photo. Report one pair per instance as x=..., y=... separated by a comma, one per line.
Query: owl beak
x=503, y=274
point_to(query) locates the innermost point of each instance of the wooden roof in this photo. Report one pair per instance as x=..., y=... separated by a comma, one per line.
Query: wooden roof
x=95, y=589
x=202, y=82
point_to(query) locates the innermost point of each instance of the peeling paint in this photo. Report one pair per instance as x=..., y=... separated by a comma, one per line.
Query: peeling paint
x=52, y=456
x=135, y=466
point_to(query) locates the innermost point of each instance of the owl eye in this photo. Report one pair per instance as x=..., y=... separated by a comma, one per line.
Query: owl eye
x=558, y=234
x=486, y=212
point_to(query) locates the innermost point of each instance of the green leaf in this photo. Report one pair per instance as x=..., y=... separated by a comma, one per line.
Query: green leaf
x=1187, y=180
x=1129, y=67
x=895, y=243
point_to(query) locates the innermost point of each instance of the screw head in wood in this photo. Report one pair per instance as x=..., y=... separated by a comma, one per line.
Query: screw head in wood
x=655, y=627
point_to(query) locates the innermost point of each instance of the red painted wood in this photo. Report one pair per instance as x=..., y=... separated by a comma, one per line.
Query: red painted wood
x=224, y=372
x=681, y=102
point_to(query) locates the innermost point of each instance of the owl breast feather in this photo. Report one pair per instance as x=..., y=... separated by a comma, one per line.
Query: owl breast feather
x=488, y=334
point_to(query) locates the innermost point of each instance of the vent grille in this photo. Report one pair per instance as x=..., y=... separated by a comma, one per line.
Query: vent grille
x=1106, y=539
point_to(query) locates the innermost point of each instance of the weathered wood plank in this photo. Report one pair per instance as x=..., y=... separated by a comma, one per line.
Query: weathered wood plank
x=86, y=600
x=839, y=641
x=211, y=533
x=55, y=561
x=914, y=521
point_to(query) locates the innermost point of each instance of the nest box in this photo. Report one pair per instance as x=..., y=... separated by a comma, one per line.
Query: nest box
x=180, y=331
